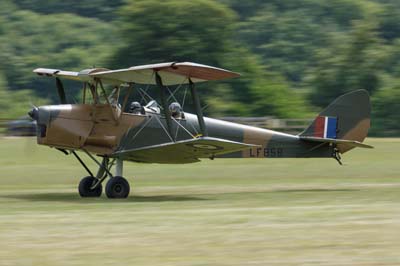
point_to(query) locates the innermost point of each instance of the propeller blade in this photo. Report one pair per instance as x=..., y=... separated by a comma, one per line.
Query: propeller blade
x=61, y=91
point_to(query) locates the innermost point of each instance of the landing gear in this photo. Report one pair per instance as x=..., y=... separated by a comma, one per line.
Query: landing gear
x=336, y=156
x=117, y=188
x=86, y=190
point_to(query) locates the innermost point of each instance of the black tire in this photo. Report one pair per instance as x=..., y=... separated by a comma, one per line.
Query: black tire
x=84, y=188
x=117, y=188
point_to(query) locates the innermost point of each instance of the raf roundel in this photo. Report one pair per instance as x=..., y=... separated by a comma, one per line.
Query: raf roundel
x=206, y=147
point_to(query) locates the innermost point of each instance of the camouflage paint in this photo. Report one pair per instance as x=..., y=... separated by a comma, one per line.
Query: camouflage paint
x=96, y=129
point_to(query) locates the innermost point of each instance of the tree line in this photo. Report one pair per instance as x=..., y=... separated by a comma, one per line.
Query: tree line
x=294, y=56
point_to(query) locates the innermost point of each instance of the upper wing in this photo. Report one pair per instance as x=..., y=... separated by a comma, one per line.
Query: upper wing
x=170, y=73
x=185, y=151
x=57, y=73
x=84, y=75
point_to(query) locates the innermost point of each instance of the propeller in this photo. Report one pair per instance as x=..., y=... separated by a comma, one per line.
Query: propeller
x=61, y=91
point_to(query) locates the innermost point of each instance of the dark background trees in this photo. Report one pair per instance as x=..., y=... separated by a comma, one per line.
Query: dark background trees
x=294, y=56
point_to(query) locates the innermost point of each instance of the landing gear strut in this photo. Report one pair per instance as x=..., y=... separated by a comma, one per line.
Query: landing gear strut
x=117, y=187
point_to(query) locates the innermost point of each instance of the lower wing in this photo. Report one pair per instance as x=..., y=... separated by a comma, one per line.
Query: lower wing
x=185, y=151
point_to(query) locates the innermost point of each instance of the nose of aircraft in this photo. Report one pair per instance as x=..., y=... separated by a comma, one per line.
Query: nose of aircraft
x=34, y=113
x=38, y=114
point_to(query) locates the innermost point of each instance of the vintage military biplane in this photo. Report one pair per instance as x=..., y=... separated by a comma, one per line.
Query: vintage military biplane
x=116, y=130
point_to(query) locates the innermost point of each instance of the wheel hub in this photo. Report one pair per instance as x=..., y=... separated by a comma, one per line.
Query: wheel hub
x=118, y=188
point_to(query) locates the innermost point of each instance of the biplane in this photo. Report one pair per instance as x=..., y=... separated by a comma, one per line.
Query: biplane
x=111, y=129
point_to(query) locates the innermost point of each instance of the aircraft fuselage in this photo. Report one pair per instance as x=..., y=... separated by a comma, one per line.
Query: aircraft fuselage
x=103, y=129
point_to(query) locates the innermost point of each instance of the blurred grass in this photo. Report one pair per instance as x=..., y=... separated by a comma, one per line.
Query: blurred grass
x=221, y=212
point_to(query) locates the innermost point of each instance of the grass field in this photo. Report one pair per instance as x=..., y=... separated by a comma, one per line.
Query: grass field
x=221, y=212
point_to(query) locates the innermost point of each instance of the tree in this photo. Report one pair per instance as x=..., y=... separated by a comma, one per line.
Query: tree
x=286, y=41
x=354, y=64
x=201, y=31
x=173, y=30
x=385, y=111
x=103, y=9
x=55, y=41
x=14, y=104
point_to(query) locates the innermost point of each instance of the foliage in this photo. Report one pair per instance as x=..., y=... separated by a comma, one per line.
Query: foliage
x=386, y=106
x=55, y=41
x=151, y=34
x=355, y=64
x=209, y=41
x=286, y=41
x=19, y=104
x=294, y=56
x=102, y=9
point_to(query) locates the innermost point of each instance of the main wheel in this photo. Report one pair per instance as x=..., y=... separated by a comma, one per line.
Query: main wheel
x=117, y=188
x=85, y=185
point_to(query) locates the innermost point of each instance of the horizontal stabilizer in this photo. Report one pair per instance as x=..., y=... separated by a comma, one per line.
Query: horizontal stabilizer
x=185, y=151
x=343, y=142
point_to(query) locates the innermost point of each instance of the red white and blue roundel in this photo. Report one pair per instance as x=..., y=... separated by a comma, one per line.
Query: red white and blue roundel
x=325, y=127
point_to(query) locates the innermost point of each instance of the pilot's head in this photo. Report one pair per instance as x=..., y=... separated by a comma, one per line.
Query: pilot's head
x=176, y=110
x=135, y=108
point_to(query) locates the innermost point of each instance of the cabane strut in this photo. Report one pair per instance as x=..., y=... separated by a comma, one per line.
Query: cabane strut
x=164, y=104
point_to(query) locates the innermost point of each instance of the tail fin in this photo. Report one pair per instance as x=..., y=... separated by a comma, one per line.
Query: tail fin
x=346, y=118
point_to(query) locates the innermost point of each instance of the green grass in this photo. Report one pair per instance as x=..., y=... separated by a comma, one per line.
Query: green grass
x=221, y=212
